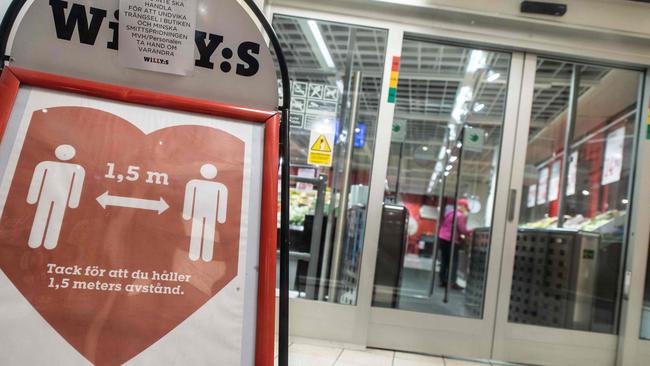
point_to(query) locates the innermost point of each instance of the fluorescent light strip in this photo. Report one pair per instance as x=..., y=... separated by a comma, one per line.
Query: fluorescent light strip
x=321, y=43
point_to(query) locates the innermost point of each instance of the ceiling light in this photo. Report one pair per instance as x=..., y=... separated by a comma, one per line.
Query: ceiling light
x=477, y=60
x=452, y=132
x=585, y=193
x=457, y=114
x=441, y=154
x=434, y=177
x=425, y=148
x=464, y=96
x=318, y=36
x=446, y=174
x=339, y=84
x=543, y=85
x=479, y=107
x=492, y=76
x=449, y=167
x=453, y=159
x=625, y=201
x=459, y=144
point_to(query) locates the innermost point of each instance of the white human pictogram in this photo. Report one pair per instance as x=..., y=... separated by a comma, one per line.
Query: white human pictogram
x=205, y=204
x=55, y=186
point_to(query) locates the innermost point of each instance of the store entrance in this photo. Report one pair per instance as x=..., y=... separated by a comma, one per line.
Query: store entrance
x=505, y=218
x=484, y=208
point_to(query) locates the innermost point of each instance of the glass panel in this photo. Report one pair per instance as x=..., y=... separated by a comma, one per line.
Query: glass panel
x=567, y=271
x=323, y=58
x=444, y=154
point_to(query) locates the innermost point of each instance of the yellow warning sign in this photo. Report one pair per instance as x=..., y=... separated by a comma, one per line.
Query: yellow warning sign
x=321, y=145
x=320, y=151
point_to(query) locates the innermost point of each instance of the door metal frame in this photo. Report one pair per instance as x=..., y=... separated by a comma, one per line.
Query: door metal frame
x=632, y=349
x=348, y=324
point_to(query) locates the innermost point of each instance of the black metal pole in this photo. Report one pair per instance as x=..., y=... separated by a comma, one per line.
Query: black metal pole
x=283, y=336
x=399, y=171
x=283, y=331
x=5, y=27
x=450, y=267
x=441, y=218
x=574, y=95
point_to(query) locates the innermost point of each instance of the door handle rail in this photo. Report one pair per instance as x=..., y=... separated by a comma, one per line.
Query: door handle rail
x=512, y=201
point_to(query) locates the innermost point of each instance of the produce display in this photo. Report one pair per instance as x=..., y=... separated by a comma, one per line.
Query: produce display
x=577, y=222
x=302, y=203
x=544, y=223
x=601, y=220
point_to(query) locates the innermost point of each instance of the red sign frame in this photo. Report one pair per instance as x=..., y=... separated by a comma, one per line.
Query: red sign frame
x=12, y=78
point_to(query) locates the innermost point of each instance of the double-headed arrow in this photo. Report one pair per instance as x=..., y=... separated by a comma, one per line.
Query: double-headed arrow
x=107, y=200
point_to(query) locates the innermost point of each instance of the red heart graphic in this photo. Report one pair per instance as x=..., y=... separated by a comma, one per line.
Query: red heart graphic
x=106, y=325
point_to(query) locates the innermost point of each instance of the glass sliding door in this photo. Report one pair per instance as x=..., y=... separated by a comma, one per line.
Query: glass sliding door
x=566, y=268
x=439, y=247
x=329, y=198
x=444, y=156
x=572, y=231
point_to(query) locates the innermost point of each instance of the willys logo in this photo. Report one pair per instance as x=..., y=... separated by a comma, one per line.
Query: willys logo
x=90, y=21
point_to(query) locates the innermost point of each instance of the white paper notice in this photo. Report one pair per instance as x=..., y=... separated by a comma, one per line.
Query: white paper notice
x=554, y=184
x=532, y=195
x=614, y=156
x=573, y=171
x=542, y=187
x=158, y=35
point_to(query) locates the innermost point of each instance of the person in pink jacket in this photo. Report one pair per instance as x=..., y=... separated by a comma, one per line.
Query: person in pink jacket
x=444, y=241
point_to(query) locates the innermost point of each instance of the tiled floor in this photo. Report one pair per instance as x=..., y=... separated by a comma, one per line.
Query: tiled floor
x=315, y=353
